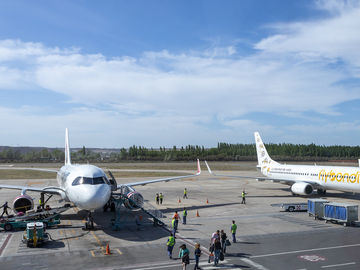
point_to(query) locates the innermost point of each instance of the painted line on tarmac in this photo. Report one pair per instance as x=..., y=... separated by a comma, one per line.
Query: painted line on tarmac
x=3, y=246
x=98, y=240
x=203, y=263
x=303, y=250
x=340, y=264
x=254, y=264
x=172, y=263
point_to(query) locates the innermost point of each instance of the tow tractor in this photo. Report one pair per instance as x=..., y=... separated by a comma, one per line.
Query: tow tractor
x=47, y=217
x=35, y=234
x=291, y=207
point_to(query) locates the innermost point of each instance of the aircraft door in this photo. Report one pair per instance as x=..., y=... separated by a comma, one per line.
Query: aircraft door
x=112, y=181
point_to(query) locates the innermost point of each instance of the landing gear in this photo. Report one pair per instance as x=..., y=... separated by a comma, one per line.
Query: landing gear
x=89, y=225
x=321, y=191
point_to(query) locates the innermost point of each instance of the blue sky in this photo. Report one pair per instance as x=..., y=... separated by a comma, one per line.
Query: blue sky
x=164, y=73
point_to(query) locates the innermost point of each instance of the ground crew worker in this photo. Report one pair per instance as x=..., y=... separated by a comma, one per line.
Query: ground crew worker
x=184, y=215
x=176, y=217
x=173, y=226
x=5, y=208
x=161, y=197
x=233, y=231
x=185, y=194
x=157, y=198
x=243, y=193
x=170, y=245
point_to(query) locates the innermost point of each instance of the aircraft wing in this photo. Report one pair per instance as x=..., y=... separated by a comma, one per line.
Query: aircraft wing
x=11, y=167
x=143, y=183
x=50, y=189
x=261, y=178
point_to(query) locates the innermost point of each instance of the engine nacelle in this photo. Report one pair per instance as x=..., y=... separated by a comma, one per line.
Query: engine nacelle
x=135, y=201
x=302, y=188
x=23, y=203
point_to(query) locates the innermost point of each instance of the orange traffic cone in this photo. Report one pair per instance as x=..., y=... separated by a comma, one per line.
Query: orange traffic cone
x=179, y=200
x=207, y=201
x=197, y=214
x=107, y=252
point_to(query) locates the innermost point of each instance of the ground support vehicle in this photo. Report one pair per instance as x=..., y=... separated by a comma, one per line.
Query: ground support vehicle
x=342, y=213
x=48, y=217
x=291, y=207
x=35, y=234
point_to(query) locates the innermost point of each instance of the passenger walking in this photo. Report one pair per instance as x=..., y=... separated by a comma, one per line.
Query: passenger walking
x=215, y=235
x=217, y=250
x=233, y=231
x=185, y=194
x=184, y=256
x=5, y=208
x=184, y=215
x=243, y=194
x=223, y=238
x=170, y=245
x=161, y=197
x=157, y=197
x=197, y=253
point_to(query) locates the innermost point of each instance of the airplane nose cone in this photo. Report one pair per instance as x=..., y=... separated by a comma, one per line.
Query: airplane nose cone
x=95, y=197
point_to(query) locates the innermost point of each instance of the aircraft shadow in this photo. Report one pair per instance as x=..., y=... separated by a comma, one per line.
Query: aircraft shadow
x=128, y=229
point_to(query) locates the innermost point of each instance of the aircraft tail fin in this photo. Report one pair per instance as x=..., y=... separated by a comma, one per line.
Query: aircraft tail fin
x=67, y=148
x=262, y=154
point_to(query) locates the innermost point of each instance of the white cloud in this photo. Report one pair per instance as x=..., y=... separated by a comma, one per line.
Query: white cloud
x=295, y=71
x=327, y=39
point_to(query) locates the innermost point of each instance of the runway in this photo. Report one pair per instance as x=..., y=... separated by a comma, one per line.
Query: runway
x=268, y=239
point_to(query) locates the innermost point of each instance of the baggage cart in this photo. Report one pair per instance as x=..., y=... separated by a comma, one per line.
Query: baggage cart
x=343, y=213
x=316, y=208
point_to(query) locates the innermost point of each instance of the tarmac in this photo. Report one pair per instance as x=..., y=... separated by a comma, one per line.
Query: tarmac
x=268, y=238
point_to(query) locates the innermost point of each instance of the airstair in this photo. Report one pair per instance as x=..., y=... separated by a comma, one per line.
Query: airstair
x=119, y=199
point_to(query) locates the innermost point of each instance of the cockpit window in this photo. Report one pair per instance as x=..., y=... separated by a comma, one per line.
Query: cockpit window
x=89, y=181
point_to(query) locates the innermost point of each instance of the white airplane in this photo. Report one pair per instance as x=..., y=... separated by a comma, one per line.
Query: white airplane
x=303, y=179
x=86, y=186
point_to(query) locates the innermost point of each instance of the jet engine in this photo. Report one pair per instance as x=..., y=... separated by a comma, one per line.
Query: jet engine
x=23, y=203
x=302, y=188
x=135, y=200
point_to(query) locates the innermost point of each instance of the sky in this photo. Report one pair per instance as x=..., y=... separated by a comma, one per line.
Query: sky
x=163, y=73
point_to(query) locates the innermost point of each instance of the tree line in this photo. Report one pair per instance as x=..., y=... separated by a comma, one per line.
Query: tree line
x=223, y=152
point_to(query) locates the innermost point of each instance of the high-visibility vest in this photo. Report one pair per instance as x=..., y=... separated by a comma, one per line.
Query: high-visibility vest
x=185, y=213
x=185, y=191
x=243, y=194
x=161, y=196
x=173, y=223
x=176, y=216
x=171, y=241
x=233, y=228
